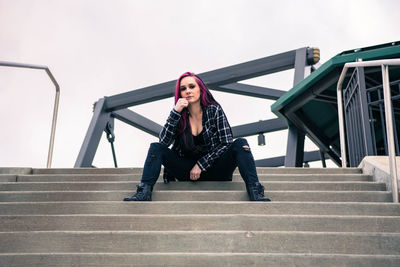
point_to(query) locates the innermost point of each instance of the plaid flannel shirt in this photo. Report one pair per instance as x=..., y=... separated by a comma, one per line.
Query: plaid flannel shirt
x=216, y=132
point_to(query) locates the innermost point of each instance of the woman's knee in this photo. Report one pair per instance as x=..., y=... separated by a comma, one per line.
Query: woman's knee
x=241, y=143
x=157, y=147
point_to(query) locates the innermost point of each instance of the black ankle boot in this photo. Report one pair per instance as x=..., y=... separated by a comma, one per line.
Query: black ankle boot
x=256, y=192
x=143, y=193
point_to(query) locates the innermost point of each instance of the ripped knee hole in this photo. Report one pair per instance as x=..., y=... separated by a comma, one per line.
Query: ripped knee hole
x=246, y=148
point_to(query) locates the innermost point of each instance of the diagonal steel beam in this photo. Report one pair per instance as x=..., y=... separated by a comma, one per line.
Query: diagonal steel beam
x=250, y=69
x=93, y=136
x=250, y=90
x=213, y=78
x=138, y=121
x=315, y=135
x=265, y=126
x=140, y=96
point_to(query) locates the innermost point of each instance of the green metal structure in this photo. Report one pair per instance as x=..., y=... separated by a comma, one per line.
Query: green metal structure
x=311, y=105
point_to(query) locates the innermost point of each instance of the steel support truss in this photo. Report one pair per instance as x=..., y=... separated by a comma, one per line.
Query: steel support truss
x=225, y=80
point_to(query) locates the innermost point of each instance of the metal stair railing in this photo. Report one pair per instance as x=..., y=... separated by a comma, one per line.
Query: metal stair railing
x=56, y=102
x=388, y=115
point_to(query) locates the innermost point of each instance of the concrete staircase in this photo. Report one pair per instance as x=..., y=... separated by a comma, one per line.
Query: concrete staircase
x=318, y=217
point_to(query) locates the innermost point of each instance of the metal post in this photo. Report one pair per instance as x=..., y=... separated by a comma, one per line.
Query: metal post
x=341, y=117
x=295, y=148
x=295, y=144
x=53, y=124
x=93, y=135
x=57, y=99
x=389, y=129
x=365, y=119
x=322, y=154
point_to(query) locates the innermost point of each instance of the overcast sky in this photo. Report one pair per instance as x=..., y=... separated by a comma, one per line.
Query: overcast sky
x=100, y=48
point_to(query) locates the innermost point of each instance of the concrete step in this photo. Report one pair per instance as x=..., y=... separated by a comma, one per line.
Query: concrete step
x=197, y=259
x=200, y=242
x=260, y=170
x=137, y=177
x=203, y=222
x=87, y=170
x=15, y=170
x=212, y=186
x=318, y=217
x=204, y=207
x=171, y=195
x=274, y=170
x=8, y=178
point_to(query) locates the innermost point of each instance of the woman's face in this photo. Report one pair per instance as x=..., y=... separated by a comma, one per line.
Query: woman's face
x=190, y=89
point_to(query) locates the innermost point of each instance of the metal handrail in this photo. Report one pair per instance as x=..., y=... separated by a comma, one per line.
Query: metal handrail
x=388, y=115
x=57, y=99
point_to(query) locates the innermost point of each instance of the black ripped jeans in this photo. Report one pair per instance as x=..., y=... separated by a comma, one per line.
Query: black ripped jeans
x=180, y=167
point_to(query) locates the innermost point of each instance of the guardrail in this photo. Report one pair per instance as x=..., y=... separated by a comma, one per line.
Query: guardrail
x=56, y=102
x=388, y=115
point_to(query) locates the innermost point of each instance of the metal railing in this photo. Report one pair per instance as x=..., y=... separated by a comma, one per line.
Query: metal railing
x=376, y=108
x=388, y=115
x=56, y=102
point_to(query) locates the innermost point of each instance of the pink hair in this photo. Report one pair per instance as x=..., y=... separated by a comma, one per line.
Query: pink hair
x=206, y=99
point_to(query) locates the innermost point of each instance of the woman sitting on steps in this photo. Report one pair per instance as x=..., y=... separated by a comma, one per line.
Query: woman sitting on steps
x=203, y=148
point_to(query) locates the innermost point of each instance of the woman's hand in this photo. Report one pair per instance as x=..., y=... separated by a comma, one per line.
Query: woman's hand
x=195, y=173
x=181, y=104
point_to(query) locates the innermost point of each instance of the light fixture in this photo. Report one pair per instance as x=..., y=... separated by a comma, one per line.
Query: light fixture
x=261, y=139
x=313, y=55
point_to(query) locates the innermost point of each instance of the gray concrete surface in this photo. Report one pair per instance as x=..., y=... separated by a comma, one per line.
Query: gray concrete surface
x=200, y=241
x=378, y=167
x=204, y=195
x=236, y=177
x=199, y=259
x=200, y=222
x=318, y=217
x=200, y=207
x=192, y=186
